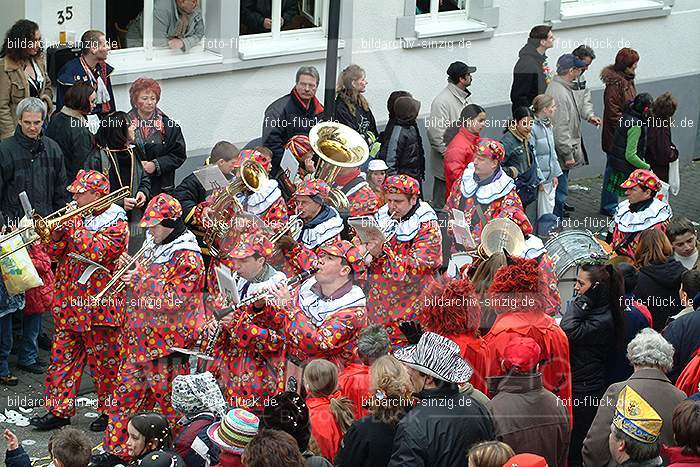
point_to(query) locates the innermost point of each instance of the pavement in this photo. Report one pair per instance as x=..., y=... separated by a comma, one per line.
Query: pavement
x=584, y=196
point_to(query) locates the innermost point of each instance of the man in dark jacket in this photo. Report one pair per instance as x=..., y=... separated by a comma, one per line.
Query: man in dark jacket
x=526, y=416
x=444, y=423
x=402, y=149
x=191, y=193
x=291, y=115
x=531, y=73
x=684, y=332
x=32, y=163
x=256, y=15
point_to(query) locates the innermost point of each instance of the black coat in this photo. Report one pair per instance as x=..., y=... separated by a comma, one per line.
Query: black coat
x=440, y=429
x=33, y=166
x=368, y=442
x=684, y=334
x=74, y=138
x=190, y=192
x=589, y=325
x=168, y=157
x=621, y=136
x=254, y=12
x=619, y=367
x=361, y=121
x=528, y=76
x=657, y=287
x=284, y=118
x=402, y=149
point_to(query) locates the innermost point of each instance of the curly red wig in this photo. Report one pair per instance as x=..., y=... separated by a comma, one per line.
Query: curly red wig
x=515, y=287
x=141, y=85
x=454, y=309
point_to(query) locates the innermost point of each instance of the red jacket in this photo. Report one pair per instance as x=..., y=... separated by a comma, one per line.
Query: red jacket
x=324, y=427
x=473, y=350
x=689, y=380
x=354, y=384
x=458, y=154
x=675, y=458
x=556, y=371
x=39, y=299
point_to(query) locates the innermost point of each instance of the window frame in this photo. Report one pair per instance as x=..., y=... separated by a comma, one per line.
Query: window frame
x=635, y=10
x=221, y=19
x=417, y=30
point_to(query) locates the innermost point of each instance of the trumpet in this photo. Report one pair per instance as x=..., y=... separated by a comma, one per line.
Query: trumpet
x=115, y=284
x=42, y=227
x=291, y=228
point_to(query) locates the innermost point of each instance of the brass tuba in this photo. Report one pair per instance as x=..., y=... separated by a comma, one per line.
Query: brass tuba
x=501, y=234
x=338, y=146
x=251, y=177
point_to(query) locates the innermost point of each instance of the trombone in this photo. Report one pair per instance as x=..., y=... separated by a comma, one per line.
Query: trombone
x=115, y=284
x=41, y=227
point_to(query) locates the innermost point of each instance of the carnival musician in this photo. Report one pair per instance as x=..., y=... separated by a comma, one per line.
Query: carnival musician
x=249, y=351
x=486, y=192
x=362, y=200
x=641, y=210
x=327, y=311
x=400, y=268
x=86, y=331
x=166, y=313
x=193, y=196
x=322, y=225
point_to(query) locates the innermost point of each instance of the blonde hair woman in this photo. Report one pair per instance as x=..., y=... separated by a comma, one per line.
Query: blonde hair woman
x=351, y=107
x=542, y=138
x=489, y=454
x=369, y=441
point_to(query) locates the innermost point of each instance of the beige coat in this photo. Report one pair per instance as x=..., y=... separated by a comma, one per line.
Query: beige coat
x=444, y=111
x=566, y=122
x=655, y=388
x=13, y=88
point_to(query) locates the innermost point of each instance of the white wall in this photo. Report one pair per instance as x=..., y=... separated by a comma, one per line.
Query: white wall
x=12, y=10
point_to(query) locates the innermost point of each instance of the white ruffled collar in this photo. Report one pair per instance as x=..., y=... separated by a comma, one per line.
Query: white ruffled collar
x=628, y=221
x=315, y=236
x=533, y=247
x=406, y=231
x=276, y=278
x=485, y=194
x=110, y=216
x=318, y=309
x=259, y=202
x=162, y=253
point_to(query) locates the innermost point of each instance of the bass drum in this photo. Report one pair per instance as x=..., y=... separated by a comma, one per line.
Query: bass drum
x=567, y=249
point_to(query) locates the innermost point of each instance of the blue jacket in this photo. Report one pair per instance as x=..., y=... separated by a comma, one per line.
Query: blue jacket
x=542, y=138
x=17, y=458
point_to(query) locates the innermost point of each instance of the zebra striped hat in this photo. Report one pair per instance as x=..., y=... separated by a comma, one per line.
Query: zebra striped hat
x=436, y=356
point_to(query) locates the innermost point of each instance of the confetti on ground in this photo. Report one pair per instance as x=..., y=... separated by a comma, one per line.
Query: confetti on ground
x=91, y=414
x=578, y=188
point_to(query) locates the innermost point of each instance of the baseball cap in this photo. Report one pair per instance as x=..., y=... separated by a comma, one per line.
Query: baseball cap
x=457, y=69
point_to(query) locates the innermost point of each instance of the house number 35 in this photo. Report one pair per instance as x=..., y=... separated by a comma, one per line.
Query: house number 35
x=65, y=15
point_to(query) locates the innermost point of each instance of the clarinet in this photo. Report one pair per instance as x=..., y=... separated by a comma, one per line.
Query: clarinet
x=291, y=282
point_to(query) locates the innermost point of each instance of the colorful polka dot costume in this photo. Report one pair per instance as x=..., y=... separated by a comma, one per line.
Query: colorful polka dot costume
x=255, y=244
x=298, y=145
x=643, y=178
x=401, y=184
x=252, y=154
x=491, y=148
x=161, y=207
x=313, y=187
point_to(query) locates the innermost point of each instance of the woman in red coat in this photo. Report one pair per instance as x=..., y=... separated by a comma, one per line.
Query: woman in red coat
x=460, y=150
x=455, y=312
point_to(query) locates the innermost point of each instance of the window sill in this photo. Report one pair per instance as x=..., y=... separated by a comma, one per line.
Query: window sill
x=289, y=43
x=447, y=24
x=129, y=62
x=577, y=15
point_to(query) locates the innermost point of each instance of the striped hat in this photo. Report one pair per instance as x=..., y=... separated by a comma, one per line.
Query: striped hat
x=436, y=356
x=235, y=431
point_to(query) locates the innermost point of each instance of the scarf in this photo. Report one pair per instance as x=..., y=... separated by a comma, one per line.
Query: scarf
x=146, y=127
x=182, y=24
x=640, y=206
x=98, y=78
x=483, y=182
x=318, y=107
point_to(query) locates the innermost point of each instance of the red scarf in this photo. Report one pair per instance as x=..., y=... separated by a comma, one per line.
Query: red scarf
x=318, y=107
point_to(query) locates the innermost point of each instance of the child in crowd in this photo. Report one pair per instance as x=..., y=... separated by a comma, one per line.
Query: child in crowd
x=461, y=144
x=681, y=233
x=68, y=447
x=330, y=413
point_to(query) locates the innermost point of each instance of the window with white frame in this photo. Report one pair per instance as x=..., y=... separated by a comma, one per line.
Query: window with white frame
x=432, y=18
x=575, y=13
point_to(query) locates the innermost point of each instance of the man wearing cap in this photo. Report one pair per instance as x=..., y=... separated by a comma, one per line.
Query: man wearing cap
x=322, y=226
x=641, y=210
x=516, y=298
x=400, y=268
x=166, y=312
x=445, y=110
x=362, y=199
x=528, y=417
x=376, y=174
x=86, y=250
x=327, y=312
x=531, y=74
x=249, y=350
x=193, y=196
x=634, y=433
x=566, y=124
x=444, y=423
x=485, y=192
